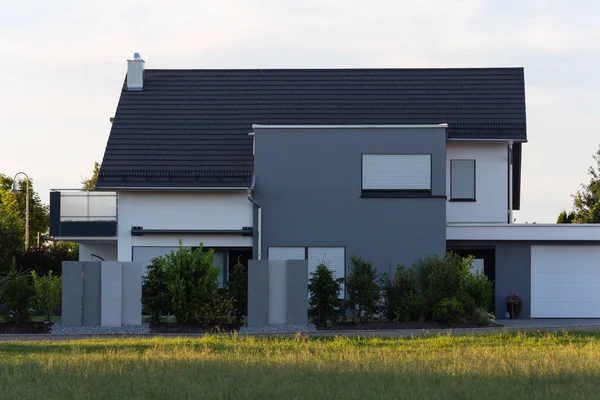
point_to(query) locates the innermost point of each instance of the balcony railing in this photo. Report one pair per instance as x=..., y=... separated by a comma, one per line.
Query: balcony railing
x=88, y=206
x=76, y=213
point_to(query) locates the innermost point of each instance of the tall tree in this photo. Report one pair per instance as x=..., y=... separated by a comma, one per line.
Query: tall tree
x=15, y=205
x=586, y=202
x=90, y=183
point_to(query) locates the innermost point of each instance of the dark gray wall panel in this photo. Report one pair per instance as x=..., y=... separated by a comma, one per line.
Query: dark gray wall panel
x=258, y=292
x=91, y=293
x=72, y=292
x=513, y=275
x=309, y=185
x=297, y=289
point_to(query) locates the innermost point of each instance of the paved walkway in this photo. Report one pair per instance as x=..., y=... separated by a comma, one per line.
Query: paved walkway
x=515, y=325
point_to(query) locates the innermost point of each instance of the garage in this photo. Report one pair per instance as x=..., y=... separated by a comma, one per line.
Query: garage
x=565, y=281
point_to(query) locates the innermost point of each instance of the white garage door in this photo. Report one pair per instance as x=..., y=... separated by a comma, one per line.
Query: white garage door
x=565, y=281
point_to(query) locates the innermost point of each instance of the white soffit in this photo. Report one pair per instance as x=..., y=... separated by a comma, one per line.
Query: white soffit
x=524, y=232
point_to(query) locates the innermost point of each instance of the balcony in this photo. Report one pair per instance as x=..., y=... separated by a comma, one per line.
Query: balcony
x=76, y=213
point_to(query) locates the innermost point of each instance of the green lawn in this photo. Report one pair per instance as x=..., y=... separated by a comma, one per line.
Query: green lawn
x=520, y=366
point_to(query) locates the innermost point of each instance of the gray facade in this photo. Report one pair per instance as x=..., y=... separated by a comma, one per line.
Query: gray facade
x=308, y=182
x=513, y=275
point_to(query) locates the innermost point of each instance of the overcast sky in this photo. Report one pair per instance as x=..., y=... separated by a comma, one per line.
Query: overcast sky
x=62, y=64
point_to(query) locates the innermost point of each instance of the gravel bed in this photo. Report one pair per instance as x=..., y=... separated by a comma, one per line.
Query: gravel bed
x=245, y=330
x=58, y=329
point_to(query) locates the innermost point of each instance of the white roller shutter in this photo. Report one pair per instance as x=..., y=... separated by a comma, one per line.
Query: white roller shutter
x=333, y=257
x=145, y=254
x=396, y=172
x=287, y=253
x=462, y=182
x=565, y=281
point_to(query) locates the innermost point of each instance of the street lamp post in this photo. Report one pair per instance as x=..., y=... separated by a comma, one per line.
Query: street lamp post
x=15, y=190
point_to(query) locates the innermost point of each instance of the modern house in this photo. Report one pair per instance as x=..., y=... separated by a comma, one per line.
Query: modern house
x=318, y=164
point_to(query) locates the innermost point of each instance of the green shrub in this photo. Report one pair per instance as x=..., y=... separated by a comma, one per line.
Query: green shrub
x=324, y=292
x=48, y=293
x=188, y=279
x=440, y=278
x=479, y=288
x=400, y=300
x=16, y=293
x=155, y=295
x=412, y=307
x=448, y=311
x=237, y=285
x=363, y=292
x=218, y=310
x=390, y=298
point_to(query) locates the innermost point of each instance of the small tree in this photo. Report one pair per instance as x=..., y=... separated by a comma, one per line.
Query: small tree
x=155, y=295
x=586, y=201
x=48, y=293
x=363, y=292
x=324, y=292
x=90, y=183
x=237, y=285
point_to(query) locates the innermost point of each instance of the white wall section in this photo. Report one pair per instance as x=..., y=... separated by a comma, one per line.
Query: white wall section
x=524, y=232
x=491, y=183
x=182, y=210
x=108, y=251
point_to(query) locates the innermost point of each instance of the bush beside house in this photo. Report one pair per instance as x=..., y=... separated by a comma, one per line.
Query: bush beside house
x=435, y=288
x=184, y=283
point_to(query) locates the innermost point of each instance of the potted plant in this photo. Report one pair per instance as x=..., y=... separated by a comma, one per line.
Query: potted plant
x=513, y=305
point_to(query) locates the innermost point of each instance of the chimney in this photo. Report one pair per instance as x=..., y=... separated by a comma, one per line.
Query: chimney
x=135, y=73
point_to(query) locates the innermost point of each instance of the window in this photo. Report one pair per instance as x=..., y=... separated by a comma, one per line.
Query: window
x=333, y=257
x=462, y=180
x=396, y=174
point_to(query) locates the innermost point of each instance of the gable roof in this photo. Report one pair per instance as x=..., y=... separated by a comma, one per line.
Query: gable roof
x=189, y=128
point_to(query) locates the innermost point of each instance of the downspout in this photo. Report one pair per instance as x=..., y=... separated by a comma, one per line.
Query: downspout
x=259, y=228
x=510, y=182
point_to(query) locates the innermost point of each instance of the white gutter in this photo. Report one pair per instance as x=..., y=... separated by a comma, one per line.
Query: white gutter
x=510, y=182
x=259, y=228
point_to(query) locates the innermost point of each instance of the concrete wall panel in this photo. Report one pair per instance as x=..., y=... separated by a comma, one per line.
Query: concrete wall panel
x=297, y=288
x=112, y=293
x=258, y=292
x=131, y=313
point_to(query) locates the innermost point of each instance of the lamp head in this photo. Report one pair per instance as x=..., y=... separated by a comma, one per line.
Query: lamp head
x=15, y=188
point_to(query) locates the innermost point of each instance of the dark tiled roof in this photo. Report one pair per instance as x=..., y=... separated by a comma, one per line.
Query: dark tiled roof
x=189, y=128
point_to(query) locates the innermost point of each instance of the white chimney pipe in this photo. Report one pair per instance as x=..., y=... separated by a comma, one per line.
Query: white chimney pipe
x=135, y=73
